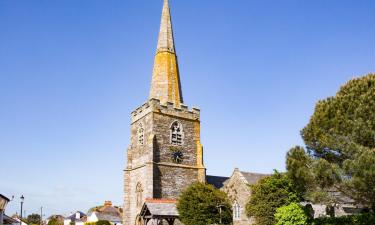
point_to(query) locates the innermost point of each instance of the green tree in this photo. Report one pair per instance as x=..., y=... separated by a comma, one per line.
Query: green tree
x=202, y=204
x=55, y=221
x=99, y=222
x=33, y=219
x=340, y=141
x=269, y=194
x=292, y=214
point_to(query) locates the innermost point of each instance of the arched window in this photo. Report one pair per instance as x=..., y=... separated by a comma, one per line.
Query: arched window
x=177, y=134
x=139, y=194
x=141, y=135
x=236, y=211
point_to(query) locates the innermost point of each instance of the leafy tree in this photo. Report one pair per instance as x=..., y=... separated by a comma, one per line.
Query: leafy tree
x=292, y=214
x=33, y=219
x=103, y=222
x=55, y=221
x=200, y=204
x=269, y=194
x=99, y=222
x=340, y=141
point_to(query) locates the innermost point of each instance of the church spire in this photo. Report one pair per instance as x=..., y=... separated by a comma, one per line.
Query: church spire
x=166, y=42
x=165, y=84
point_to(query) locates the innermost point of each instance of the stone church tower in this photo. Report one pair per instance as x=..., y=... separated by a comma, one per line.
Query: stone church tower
x=165, y=154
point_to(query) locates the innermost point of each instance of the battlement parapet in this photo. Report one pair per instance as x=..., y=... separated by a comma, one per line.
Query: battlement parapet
x=154, y=105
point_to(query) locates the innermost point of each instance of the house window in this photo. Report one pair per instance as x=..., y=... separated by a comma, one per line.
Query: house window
x=139, y=194
x=236, y=211
x=176, y=133
x=141, y=135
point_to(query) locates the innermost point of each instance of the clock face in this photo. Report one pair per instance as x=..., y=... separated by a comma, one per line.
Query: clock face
x=177, y=156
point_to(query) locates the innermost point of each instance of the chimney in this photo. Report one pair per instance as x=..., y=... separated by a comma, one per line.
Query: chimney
x=107, y=203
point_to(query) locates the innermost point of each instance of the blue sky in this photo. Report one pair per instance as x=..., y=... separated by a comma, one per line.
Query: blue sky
x=72, y=71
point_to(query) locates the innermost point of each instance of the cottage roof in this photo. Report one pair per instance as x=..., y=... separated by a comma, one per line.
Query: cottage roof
x=73, y=217
x=9, y=220
x=108, y=217
x=108, y=212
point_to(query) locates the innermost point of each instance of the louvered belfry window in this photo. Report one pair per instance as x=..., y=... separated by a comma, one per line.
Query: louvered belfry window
x=176, y=133
x=141, y=135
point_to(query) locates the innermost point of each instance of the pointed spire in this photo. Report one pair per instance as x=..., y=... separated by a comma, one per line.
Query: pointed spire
x=165, y=84
x=166, y=42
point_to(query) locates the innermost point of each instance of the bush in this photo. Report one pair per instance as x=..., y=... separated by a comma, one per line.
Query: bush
x=99, y=222
x=55, y=221
x=292, y=214
x=363, y=219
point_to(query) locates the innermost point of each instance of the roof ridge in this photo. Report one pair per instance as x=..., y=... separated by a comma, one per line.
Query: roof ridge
x=160, y=200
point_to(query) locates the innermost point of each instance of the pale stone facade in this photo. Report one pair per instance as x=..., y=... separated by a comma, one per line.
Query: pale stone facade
x=237, y=187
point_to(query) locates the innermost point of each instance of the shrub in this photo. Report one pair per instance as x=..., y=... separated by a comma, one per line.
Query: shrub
x=292, y=214
x=362, y=219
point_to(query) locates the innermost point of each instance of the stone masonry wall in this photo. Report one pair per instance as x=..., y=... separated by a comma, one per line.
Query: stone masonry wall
x=151, y=164
x=238, y=191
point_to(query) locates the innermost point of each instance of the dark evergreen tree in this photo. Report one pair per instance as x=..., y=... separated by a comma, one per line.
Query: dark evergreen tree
x=340, y=141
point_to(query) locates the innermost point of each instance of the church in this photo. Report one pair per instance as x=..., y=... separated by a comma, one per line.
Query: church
x=165, y=154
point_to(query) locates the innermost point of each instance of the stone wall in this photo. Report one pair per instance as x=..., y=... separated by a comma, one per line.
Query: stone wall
x=151, y=163
x=239, y=192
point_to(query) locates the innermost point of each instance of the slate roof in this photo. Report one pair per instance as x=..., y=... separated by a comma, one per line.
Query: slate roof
x=9, y=220
x=73, y=216
x=216, y=181
x=160, y=208
x=252, y=178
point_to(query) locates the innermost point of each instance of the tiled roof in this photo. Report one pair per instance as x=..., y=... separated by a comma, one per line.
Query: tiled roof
x=216, y=181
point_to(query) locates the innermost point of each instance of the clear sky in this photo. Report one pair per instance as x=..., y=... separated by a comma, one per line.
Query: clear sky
x=72, y=71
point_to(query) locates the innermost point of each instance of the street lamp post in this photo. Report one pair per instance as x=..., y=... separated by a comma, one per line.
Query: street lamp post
x=3, y=203
x=220, y=211
x=22, y=199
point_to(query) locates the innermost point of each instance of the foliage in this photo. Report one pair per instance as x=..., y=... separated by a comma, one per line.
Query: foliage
x=292, y=214
x=90, y=223
x=55, y=221
x=200, y=204
x=340, y=141
x=33, y=219
x=363, y=219
x=99, y=222
x=269, y=194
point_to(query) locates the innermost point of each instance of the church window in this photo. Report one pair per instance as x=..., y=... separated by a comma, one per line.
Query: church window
x=139, y=194
x=141, y=135
x=236, y=211
x=176, y=133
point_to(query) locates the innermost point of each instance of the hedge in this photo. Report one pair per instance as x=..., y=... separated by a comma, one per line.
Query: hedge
x=362, y=219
